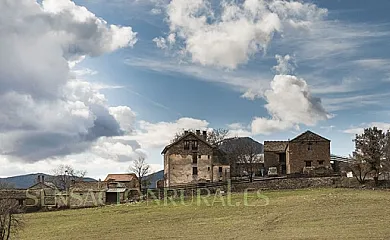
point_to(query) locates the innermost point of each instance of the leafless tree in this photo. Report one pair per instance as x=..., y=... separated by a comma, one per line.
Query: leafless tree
x=179, y=134
x=140, y=168
x=359, y=168
x=10, y=218
x=244, y=155
x=65, y=174
x=214, y=137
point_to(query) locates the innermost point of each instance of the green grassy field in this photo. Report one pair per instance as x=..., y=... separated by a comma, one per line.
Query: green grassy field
x=293, y=214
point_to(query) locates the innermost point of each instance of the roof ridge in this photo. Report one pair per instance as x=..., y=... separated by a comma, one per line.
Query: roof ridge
x=185, y=135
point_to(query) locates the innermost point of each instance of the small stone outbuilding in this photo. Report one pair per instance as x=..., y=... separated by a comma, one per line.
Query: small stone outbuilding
x=304, y=154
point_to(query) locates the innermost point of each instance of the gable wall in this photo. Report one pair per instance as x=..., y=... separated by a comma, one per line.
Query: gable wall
x=298, y=153
x=178, y=163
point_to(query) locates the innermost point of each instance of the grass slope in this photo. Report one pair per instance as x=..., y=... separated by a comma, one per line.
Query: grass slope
x=292, y=214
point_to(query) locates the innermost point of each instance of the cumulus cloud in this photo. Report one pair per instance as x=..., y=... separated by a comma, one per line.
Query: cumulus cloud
x=229, y=36
x=289, y=102
x=157, y=135
x=125, y=117
x=45, y=110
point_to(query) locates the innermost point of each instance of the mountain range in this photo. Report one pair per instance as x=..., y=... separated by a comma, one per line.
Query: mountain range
x=26, y=181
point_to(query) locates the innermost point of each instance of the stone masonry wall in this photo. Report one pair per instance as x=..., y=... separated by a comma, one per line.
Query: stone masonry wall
x=298, y=155
x=271, y=159
x=178, y=163
x=288, y=183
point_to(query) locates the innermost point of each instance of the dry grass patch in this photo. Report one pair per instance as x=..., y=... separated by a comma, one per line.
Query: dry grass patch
x=290, y=214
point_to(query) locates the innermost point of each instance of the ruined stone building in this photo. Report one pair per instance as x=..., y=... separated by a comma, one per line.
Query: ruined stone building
x=191, y=159
x=304, y=153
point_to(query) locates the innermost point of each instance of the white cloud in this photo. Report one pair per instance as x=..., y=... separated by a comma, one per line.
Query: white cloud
x=125, y=116
x=290, y=103
x=239, y=31
x=286, y=64
x=359, y=130
x=252, y=85
x=46, y=112
x=160, y=42
x=158, y=135
x=87, y=161
x=355, y=101
x=156, y=11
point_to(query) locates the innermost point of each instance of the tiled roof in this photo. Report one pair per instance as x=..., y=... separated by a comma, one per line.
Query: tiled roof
x=309, y=136
x=184, y=136
x=127, y=177
x=275, y=146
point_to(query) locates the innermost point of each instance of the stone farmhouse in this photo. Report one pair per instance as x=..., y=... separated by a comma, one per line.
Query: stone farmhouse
x=191, y=159
x=303, y=154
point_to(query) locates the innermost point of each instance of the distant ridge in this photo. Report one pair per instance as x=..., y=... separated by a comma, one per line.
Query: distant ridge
x=25, y=181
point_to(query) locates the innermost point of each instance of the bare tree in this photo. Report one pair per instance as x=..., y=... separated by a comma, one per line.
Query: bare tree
x=359, y=168
x=140, y=168
x=244, y=155
x=65, y=174
x=10, y=218
x=370, y=149
x=214, y=137
x=180, y=134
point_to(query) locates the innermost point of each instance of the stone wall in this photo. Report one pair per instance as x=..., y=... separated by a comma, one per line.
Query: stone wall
x=299, y=153
x=287, y=183
x=271, y=159
x=82, y=199
x=178, y=162
x=221, y=176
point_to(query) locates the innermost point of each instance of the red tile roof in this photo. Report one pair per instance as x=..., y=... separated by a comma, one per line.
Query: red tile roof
x=126, y=177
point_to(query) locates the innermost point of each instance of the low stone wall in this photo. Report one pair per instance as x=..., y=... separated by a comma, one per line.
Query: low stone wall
x=312, y=182
x=287, y=183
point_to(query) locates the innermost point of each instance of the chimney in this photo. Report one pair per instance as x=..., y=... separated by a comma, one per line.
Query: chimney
x=38, y=178
x=204, y=134
x=198, y=132
x=43, y=178
x=185, y=132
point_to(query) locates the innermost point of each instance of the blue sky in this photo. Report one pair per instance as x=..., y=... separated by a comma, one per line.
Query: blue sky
x=332, y=77
x=220, y=104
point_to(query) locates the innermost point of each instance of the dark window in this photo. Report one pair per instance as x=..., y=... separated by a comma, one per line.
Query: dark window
x=194, y=171
x=20, y=202
x=320, y=162
x=195, y=145
x=186, y=145
x=208, y=156
x=208, y=168
x=220, y=169
x=194, y=159
x=199, y=156
x=310, y=146
x=308, y=163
